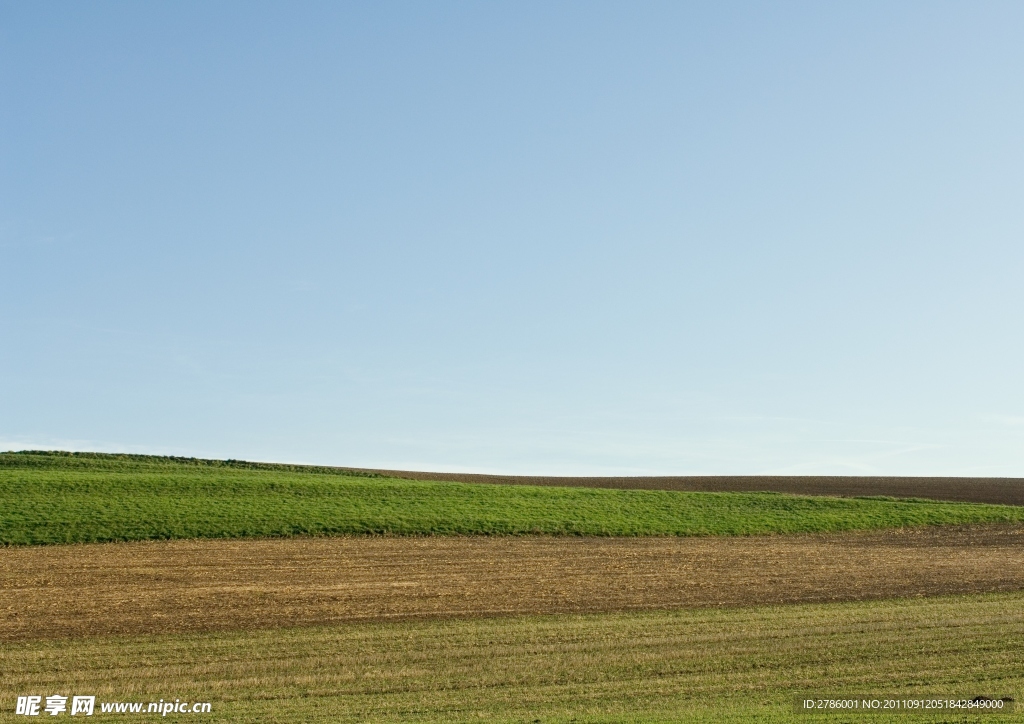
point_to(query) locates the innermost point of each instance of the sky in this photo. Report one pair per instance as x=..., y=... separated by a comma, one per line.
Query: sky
x=521, y=237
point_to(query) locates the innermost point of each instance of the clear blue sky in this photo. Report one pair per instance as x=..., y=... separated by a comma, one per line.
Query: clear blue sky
x=529, y=237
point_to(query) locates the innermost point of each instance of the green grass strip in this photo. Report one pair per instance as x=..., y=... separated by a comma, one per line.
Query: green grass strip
x=55, y=498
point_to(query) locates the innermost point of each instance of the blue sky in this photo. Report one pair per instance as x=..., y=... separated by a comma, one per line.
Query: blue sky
x=566, y=238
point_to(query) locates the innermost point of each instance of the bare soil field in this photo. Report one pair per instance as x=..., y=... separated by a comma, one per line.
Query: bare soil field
x=207, y=585
x=1005, y=491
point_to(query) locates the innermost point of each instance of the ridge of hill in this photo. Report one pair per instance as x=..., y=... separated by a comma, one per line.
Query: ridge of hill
x=75, y=498
x=993, y=490
x=999, y=491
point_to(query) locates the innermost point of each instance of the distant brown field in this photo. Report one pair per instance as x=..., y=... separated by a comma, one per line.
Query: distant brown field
x=1005, y=491
x=205, y=585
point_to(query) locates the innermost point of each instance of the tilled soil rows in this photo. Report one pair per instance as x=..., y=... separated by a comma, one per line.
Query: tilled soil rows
x=204, y=585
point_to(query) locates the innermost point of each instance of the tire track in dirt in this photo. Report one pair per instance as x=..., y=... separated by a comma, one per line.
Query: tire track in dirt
x=205, y=585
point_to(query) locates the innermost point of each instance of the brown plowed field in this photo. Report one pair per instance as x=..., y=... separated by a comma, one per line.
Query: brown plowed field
x=197, y=585
x=1006, y=491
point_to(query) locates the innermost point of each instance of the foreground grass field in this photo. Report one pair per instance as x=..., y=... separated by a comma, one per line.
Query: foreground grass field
x=63, y=498
x=731, y=665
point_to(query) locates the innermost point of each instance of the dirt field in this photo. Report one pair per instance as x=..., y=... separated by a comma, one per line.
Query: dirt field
x=1006, y=491
x=203, y=585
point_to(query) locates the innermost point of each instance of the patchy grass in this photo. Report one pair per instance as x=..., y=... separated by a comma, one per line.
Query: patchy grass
x=61, y=498
x=729, y=665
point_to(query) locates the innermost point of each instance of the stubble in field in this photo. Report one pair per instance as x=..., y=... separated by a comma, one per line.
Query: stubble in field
x=734, y=665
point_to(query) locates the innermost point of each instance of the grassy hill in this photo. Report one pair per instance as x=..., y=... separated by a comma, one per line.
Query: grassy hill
x=50, y=497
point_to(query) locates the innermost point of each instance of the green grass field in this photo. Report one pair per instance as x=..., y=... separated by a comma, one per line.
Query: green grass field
x=63, y=498
x=730, y=665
